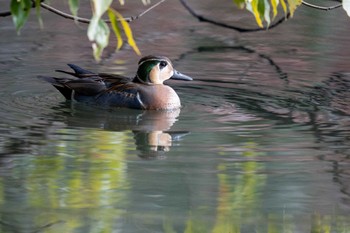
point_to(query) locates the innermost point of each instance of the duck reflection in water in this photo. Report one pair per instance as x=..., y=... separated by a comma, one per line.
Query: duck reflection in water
x=153, y=137
x=151, y=129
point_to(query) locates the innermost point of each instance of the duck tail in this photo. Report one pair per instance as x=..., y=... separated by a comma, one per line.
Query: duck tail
x=78, y=71
x=59, y=84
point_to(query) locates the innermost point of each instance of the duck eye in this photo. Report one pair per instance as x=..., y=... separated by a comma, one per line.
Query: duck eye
x=162, y=64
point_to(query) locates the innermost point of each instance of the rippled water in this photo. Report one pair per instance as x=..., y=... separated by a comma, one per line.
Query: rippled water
x=261, y=144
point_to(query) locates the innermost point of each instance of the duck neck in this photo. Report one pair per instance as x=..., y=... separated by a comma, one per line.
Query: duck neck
x=137, y=79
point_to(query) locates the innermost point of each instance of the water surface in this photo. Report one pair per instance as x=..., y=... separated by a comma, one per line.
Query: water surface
x=260, y=145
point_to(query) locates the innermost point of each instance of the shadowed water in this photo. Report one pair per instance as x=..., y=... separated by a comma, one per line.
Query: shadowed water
x=260, y=145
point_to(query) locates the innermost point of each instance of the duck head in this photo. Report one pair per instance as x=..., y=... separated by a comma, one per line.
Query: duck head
x=155, y=70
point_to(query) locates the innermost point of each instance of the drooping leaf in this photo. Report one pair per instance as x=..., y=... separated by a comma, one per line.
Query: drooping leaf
x=267, y=12
x=74, y=7
x=284, y=6
x=346, y=6
x=116, y=28
x=20, y=10
x=98, y=34
x=253, y=6
x=98, y=30
x=127, y=31
x=240, y=3
x=37, y=9
x=293, y=4
x=261, y=6
x=263, y=9
x=100, y=7
x=146, y=2
x=274, y=4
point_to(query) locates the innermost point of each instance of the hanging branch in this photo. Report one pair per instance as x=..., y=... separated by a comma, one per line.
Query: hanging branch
x=325, y=8
x=224, y=25
x=239, y=29
x=84, y=20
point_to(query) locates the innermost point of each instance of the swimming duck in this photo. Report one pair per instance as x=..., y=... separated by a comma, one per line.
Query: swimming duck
x=145, y=91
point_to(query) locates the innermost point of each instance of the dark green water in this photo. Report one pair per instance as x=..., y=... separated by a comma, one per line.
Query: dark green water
x=261, y=144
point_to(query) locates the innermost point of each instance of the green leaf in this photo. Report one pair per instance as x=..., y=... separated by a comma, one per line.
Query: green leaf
x=253, y=6
x=98, y=30
x=346, y=6
x=293, y=4
x=100, y=7
x=262, y=9
x=20, y=10
x=240, y=3
x=284, y=6
x=116, y=28
x=267, y=12
x=146, y=2
x=98, y=34
x=74, y=7
x=127, y=31
x=37, y=9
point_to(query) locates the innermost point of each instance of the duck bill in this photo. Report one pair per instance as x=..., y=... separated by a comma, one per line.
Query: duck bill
x=179, y=76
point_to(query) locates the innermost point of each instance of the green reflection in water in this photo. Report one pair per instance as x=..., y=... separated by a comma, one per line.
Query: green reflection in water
x=240, y=204
x=84, y=175
x=83, y=184
x=239, y=194
x=68, y=187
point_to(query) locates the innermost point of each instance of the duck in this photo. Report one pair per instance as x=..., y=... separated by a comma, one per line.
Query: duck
x=145, y=91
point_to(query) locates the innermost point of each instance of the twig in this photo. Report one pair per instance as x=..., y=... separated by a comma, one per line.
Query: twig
x=221, y=24
x=63, y=14
x=147, y=10
x=85, y=20
x=325, y=8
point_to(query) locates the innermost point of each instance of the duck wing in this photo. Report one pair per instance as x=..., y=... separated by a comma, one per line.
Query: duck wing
x=82, y=73
x=121, y=95
x=114, y=79
x=86, y=83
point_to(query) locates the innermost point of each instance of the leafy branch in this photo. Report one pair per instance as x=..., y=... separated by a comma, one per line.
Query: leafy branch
x=80, y=19
x=98, y=30
x=87, y=21
x=229, y=26
x=262, y=11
